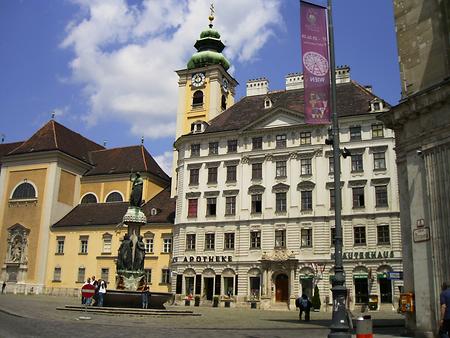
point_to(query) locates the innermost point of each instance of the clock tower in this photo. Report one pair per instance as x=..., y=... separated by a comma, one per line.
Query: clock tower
x=206, y=89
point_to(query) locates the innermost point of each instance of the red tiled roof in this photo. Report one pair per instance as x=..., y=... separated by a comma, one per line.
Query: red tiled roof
x=6, y=148
x=54, y=136
x=164, y=205
x=95, y=214
x=125, y=160
x=352, y=99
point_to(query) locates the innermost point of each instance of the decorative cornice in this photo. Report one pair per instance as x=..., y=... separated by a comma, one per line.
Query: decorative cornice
x=256, y=189
x=380, y=181
x=280, y=187
x=211, y=193
x=193, y=194
x=357, y=183
x=306, y=185
x=231, y=192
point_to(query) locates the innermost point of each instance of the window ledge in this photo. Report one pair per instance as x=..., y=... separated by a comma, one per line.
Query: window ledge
x=280, y=213
x=307, y=175
x=83, y=253
x=255, y=248
x=59, y=253
x=306, y=247
x=192, y=217
x=360, y=245
x=357, y=171
x=163, y=284
x=378, y=170
x=281, y=177
x=360, y=208
x=193, y=184
x=231, y=182
x=56, y=281
x=384, y=244
x=210, y=216
x=106, y=254
x=165, y=253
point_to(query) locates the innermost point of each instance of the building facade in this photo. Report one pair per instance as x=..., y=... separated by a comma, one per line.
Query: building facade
x=254, y=192
x=54, y=175
x=421, y=122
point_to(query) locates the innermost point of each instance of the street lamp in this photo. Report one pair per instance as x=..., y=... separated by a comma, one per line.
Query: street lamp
x=339, y=325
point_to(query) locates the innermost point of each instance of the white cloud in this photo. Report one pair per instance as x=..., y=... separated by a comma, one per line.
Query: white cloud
x=125, y=56
x=165, y=161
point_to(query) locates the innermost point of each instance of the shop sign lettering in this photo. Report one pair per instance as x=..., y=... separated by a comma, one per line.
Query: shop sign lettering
x=366, y=255
x=203, y=259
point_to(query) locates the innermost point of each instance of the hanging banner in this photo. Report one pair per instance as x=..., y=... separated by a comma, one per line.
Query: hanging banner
x=316, y=66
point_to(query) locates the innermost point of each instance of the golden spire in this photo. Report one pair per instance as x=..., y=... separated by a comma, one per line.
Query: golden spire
x=211, y=15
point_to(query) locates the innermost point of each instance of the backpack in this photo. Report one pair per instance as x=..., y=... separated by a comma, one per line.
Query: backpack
x=304, y=303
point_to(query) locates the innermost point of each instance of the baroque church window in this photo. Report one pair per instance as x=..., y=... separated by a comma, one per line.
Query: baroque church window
x=89, y=198
x=197, y=99
x=114, y=197
x=24, y=191
x=224, y=103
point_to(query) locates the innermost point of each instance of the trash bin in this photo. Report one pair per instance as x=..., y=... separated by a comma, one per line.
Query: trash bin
x=373, y=302
x=364, y=327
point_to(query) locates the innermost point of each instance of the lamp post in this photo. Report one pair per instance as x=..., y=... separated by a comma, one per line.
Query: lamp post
x=339, y=325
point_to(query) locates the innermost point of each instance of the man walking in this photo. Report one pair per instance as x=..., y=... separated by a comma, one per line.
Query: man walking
x=3, y=287
x=305, y=306
x=444, y=324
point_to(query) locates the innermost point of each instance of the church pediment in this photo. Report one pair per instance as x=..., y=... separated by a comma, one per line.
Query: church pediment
x=278, y=118
x=18, y=228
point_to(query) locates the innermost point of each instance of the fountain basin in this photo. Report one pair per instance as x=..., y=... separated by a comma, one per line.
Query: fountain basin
x=133, y=299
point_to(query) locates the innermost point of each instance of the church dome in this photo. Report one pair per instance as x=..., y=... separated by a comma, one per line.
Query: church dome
x=209, y=50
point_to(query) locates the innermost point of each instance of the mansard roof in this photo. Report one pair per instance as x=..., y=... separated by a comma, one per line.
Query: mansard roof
x=352, y=99
x=54, y=136
x=97, y=214
x=125, y=160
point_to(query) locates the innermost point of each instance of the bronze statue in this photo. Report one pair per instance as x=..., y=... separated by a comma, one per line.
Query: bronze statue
x=136, y=190
x=139, y=255
x=124, y=258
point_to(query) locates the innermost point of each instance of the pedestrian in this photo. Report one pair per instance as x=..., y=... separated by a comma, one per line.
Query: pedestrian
x=145, y=296
x=444, y=323
x=305, y=306
x=96, y=284
x=86, y=301
x=3, y=287
x=101, y=292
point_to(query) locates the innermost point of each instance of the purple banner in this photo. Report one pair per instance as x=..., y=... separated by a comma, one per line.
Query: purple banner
x=316, y=66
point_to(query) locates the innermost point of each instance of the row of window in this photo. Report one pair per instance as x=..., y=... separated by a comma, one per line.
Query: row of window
x=281, y=139
x=359, y=238
x=112, y=197
x=81, y=275
x=106, y=244
x=379, y=163
x=306, y=201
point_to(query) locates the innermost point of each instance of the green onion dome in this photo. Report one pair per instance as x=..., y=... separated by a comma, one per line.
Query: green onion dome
x=209, y=50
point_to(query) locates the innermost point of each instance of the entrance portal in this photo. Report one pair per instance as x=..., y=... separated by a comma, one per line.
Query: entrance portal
x=385, y=290
x=209, y=288
x=282, y=288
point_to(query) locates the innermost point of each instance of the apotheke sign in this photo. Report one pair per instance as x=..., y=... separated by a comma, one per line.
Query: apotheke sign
x=366, y=255
x=203, y=259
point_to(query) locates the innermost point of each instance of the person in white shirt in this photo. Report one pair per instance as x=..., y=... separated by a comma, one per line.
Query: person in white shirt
x=101, y=292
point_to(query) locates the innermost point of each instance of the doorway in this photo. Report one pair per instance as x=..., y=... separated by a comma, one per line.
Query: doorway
x=307, y=286
x=281, y=288
x=209, y=288
x=385, y=290
x=361, y=290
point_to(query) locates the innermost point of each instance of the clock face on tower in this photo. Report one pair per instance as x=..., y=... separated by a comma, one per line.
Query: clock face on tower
x=198, y=79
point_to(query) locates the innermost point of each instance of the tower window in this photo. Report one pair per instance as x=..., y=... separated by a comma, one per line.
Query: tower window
x=197, y=99
x=224, y=102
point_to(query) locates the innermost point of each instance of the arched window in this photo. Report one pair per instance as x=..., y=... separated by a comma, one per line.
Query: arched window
x=114, y=197
x=197, y=99
x=24, y=191
x=89, y=198
x=224, y=102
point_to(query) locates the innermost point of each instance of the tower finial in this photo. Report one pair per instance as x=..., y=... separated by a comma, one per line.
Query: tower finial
x=211, y=15
x=53, y=115
x=142, y=139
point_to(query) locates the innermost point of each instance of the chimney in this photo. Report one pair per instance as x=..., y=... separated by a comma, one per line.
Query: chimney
x=257, y=86
x=294, y=81
x=342, y=74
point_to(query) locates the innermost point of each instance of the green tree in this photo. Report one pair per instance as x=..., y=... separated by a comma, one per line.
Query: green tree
x=316, y=299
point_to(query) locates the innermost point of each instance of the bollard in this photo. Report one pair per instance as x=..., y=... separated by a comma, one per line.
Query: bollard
x=364, y=327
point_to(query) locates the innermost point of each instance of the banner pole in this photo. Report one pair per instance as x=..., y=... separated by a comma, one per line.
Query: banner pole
x=340, y=321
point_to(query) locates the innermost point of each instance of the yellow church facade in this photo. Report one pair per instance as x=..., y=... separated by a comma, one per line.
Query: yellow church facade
x=62, y=199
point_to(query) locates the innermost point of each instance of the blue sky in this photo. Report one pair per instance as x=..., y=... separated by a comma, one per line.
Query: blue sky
x=106, y=67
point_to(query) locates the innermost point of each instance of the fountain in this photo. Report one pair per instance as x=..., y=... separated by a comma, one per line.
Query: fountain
x=131, y=257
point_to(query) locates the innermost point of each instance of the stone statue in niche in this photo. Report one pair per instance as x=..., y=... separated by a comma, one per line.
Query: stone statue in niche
x=16, y=249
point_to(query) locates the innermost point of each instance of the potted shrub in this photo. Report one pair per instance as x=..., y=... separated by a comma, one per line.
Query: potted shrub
x=316, y=299
x=216, y=301
x=197, y=301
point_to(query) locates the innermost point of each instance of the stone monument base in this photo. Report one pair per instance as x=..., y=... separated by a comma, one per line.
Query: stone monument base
x=133, y=299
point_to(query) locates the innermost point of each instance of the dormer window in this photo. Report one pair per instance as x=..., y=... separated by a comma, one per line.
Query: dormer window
x=267, y=103
x=376, y=105
x=197, y=127
x=153, y=212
